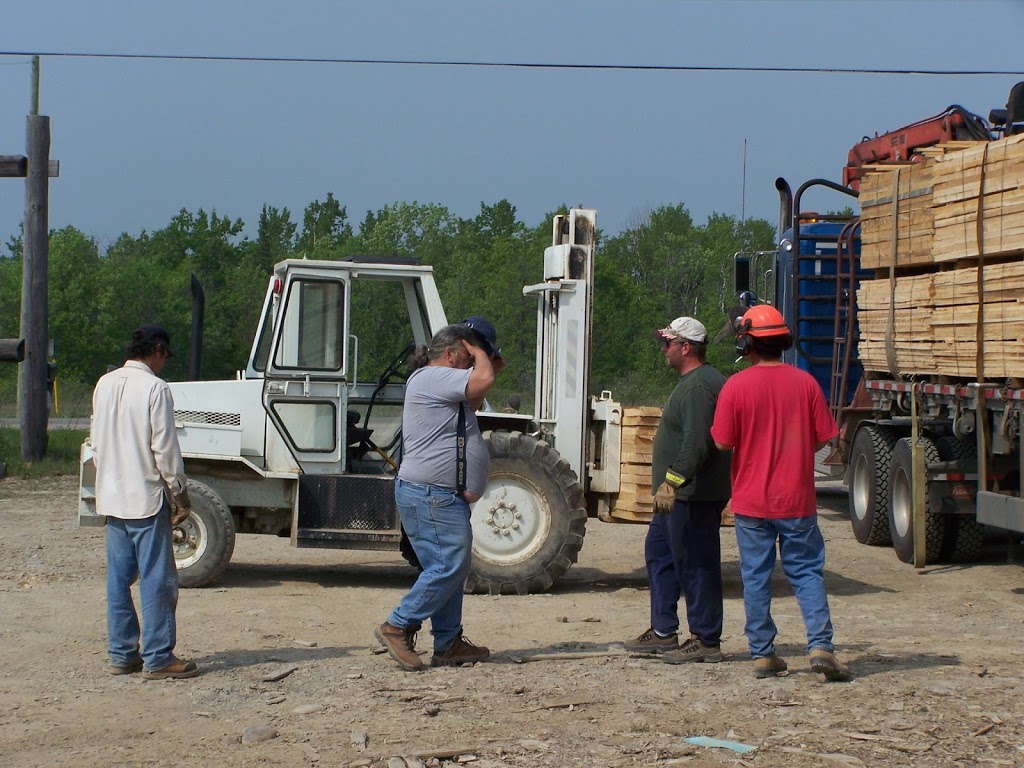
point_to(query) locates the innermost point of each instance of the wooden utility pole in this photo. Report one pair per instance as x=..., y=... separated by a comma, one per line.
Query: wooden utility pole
x=32, y=396
x=31, y=349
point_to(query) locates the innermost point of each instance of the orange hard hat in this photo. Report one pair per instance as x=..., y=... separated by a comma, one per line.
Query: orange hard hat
x=762, y=321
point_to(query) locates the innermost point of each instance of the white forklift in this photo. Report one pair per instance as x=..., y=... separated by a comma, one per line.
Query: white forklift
x=303, y=444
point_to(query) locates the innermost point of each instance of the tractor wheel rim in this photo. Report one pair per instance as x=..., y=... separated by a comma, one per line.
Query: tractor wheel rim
x=511, y=521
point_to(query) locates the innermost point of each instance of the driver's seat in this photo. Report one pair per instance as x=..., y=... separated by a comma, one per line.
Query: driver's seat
x=356, y=435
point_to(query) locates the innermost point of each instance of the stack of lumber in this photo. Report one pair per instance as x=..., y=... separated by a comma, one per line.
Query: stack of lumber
x=635, y=500
x=911, y=187
x=934, y=205
x=935, y=328
x=958, y=178
x=920, y=221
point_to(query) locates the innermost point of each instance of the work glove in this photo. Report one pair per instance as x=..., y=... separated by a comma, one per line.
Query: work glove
x=182, y=508
x=665, y=498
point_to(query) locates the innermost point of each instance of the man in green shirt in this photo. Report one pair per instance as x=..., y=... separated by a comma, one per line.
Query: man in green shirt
x=683, y=548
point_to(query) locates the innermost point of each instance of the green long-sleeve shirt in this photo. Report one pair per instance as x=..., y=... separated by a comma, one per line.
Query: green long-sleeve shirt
x=683, y=441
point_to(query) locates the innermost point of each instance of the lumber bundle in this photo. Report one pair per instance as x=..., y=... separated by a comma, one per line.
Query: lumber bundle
x=925, y=217
x=935, y=322
x=984, y=180
x=932, y=208
x=635, y=500
x=897, y=196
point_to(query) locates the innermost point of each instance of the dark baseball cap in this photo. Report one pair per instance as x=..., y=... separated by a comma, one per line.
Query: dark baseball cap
x=485, y=333
x=153, y=334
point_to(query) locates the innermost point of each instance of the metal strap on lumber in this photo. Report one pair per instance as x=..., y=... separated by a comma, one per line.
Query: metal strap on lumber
x=983, y=425
x=890, y=330
x=980, y=332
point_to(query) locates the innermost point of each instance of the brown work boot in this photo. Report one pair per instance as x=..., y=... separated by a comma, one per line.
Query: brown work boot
x=769, y=666
x=693, y=650
x=126, y=669
x=651, y=642
x=461, y=651
x=825, y=663
x=401, y=645
x=179, y=669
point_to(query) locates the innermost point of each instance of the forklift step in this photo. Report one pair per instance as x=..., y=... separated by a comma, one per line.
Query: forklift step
x=347, y=511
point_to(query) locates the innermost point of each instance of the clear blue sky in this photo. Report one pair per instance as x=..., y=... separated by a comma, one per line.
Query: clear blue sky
x=139, y=140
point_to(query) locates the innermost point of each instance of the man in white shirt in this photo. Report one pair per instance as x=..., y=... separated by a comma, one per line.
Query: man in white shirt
x=138, y=462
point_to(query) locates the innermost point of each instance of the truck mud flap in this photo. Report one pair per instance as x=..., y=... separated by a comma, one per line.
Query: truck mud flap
x=347, y=512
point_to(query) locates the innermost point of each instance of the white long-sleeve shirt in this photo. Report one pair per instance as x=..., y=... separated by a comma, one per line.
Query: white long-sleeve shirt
x=134, y=444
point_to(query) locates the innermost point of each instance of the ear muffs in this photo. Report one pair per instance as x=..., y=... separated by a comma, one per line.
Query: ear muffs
x=743, y=342
x=743, y=345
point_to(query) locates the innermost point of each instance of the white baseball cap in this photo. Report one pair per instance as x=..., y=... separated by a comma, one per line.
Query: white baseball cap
x=684, y=329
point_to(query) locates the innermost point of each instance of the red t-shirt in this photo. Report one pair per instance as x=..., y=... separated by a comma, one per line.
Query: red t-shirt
x=773, y=416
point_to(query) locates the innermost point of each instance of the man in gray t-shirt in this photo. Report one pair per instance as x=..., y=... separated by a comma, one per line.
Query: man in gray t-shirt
x=451, y=378
x=433, y=396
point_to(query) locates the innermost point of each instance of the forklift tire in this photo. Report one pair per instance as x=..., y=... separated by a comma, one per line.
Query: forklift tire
x=529, y=525
x=901, y=505
x=205, y=540
x=869, y=485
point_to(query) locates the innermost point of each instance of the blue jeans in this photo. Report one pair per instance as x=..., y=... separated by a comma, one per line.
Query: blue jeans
x=436, y=521
x=684, y=557
x=143, y=550
x=802, y=551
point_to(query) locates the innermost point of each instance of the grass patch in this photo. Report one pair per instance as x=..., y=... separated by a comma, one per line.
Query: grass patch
x=61, y=458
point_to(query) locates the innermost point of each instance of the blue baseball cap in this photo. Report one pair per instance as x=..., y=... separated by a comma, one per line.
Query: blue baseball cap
x=486, y=334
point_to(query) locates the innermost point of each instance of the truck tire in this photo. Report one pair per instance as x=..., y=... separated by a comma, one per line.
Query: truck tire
x=529, y=525
x=964, y=535
x=964, y=539
x=901, y=518
x=869, y=485
x=205, y=540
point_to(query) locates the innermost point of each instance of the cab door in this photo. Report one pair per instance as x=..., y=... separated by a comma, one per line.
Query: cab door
x=304, y=390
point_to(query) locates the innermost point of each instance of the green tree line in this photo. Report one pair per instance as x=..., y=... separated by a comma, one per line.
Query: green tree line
x=660, y=266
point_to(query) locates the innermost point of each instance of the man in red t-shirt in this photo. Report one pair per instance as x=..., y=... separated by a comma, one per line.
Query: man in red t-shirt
x=774, y=418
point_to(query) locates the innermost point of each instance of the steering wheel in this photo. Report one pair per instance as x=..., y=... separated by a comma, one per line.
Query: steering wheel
x=394, y=368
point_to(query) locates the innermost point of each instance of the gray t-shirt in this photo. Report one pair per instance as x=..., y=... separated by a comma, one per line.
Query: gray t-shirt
x=429, y=423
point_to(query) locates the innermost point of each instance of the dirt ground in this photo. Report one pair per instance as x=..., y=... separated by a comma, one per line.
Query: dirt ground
x=936, y=654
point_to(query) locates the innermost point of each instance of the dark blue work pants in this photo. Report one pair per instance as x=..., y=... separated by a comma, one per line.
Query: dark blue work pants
x=684, y=557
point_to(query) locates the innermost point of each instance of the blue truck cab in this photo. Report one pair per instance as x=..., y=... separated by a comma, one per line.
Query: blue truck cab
x=811, y=278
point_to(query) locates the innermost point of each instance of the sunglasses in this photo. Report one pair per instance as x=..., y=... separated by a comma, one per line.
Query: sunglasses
x=666, y=343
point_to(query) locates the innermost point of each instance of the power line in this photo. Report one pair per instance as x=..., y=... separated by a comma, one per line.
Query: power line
x=519, y=64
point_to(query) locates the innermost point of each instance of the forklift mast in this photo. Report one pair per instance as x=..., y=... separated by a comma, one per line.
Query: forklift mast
x=564, y=330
